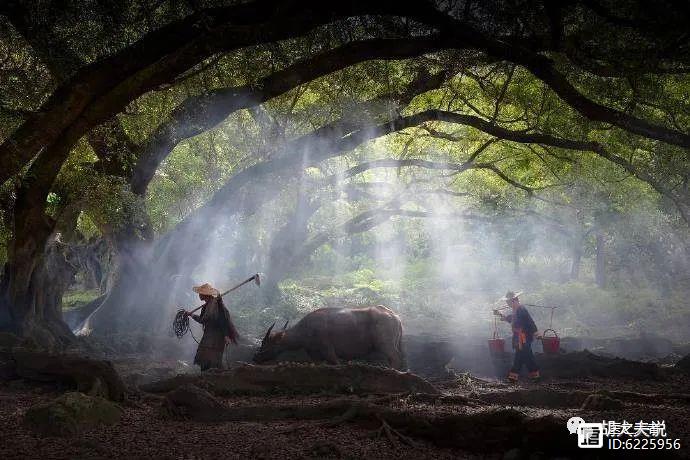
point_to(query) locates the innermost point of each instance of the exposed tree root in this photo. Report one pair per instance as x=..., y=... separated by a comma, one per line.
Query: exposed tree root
x=440, y=399
x=89, y=376
x=392, y=434
x=479, y=431
x=650, y=398
x=537, y=397
x=588, y=400
x=300, y=378
x=349, y=415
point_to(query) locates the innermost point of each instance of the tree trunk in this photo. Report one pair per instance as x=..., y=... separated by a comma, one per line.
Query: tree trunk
x=129, y=279
x=516, y=262
x=576, y=262
x=288, y=240
x=32, y=291
x=600, y=273
x=34, y=277
x=578, y=241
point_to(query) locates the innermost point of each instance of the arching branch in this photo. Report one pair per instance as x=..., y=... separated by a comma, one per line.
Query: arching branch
x=544, y=69
x=201, y=113
x=102, y=89
x=367, y=220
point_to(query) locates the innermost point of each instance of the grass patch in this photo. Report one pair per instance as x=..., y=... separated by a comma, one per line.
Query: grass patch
x=76, y=299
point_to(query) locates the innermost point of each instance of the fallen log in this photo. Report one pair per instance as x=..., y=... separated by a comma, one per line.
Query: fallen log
x=299, y=379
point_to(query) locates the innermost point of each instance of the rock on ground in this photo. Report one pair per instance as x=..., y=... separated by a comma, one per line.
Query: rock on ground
x=69, y=413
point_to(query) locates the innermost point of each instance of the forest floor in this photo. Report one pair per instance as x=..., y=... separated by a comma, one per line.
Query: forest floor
x=145, y=431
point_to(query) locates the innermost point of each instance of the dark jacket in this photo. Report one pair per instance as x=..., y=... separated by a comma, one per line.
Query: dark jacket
x=523, y=327
x=217, y=325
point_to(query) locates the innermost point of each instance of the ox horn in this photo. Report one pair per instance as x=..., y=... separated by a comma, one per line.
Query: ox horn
x=268, y=332
x=286, y=323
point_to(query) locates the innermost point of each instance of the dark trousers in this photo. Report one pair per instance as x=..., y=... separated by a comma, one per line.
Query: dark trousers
x=524, y=356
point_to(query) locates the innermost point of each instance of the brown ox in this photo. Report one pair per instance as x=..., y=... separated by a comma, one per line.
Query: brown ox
x=331, y=334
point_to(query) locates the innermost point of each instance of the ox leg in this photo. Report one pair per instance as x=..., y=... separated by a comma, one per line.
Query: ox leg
x=331, y=357
x=390, y=354
x=393, y=356
x=394, y=361
x=327, y=354
x=389, y=346
x=315, y=356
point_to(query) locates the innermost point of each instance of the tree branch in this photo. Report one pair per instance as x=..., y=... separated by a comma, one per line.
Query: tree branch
x=201, y=113
x=543, y=68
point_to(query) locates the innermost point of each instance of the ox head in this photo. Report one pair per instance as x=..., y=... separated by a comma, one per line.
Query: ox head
x=271, y=345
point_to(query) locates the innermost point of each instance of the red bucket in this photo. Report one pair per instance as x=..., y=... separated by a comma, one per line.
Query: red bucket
x=497, y=345
x=552, y=345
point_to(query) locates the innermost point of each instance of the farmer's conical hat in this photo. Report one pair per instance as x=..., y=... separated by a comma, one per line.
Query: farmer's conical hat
x=206, y=289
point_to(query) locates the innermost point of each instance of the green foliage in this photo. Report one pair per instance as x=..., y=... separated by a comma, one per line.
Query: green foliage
x=77, y=299
x=87, y=227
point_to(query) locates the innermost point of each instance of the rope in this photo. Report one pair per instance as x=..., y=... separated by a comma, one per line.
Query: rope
x=180, y=325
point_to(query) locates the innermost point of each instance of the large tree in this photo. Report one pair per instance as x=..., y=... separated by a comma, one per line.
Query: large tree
x=553, y=78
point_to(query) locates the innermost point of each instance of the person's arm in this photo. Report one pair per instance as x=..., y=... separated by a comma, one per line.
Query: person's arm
x=197, y=318
x=506, y=318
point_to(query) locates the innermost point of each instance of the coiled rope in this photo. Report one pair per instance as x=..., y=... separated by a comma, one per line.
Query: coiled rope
x=180, y=325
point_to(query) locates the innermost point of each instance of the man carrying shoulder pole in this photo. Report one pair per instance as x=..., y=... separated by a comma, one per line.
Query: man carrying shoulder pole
x=524, y=331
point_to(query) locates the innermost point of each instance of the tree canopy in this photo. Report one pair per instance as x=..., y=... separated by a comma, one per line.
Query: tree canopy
x=348, y=149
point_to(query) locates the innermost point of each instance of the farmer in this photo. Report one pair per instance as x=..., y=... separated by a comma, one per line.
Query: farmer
x=524, y=330
x=218, y=328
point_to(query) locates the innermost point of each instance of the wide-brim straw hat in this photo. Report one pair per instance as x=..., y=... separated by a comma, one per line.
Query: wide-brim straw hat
x=510, y=295
x=206, y=289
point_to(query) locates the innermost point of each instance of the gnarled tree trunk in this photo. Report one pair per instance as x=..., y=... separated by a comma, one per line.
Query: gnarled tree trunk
x=35, y=275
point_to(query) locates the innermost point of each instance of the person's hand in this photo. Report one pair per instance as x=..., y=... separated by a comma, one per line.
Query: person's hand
x=187, y=313
x=228, y=340
x=537, y=335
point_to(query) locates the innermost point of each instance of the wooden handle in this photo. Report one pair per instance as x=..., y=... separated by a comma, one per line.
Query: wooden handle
x=253, y=277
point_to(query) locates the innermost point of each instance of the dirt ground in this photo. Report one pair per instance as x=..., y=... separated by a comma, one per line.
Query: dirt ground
x=144, y=432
